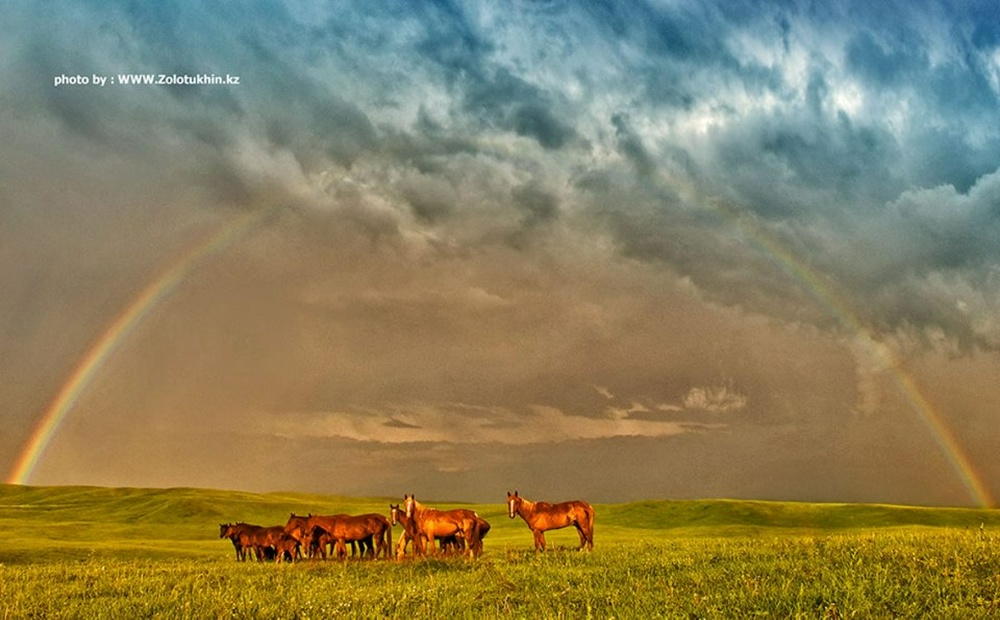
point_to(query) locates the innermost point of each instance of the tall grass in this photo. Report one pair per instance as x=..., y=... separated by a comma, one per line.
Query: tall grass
x=910, y=574
x=72, y=553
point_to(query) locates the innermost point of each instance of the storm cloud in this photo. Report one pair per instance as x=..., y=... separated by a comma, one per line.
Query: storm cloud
x=688, y=229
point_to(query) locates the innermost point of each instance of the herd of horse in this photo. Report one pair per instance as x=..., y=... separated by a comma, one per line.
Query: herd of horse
x=429, y=530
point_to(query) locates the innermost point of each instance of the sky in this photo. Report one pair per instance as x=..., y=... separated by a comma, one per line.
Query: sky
x=587, y=250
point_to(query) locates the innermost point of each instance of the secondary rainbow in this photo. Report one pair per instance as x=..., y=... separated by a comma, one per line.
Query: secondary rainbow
x=118, y=330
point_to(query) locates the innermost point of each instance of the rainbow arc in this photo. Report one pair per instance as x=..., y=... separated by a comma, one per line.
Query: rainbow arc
x=125, y=323
x=117, y=332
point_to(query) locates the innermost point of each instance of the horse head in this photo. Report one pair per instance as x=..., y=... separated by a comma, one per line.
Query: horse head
x=409, y=505
x=394, y=513
x=513, y=504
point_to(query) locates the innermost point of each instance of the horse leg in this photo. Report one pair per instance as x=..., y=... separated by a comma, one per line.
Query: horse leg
x=468, y=541
x=401, y=545
x=539, y=540
x=582, y=534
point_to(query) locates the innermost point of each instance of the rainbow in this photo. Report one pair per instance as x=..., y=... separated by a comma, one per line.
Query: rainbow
x=118, y=330
x=945, y=439
x=84, y=372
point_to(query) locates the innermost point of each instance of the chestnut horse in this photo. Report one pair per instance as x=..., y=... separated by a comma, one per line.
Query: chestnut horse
x=482, y=529
x=315, y=542
x=234, y=531
x=246, y=536
x=447, y=543
x=542, y=516
x=344, y=529
x=430, y=523
x=285, y=544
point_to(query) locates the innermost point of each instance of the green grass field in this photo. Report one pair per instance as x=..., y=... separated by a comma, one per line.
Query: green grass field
x=82, y=552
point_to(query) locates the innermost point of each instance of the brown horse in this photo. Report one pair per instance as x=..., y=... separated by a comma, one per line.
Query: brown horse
x=430, y=523
x=245, y=536
x=315, y=540
x=298, y=528
x=397, y=516
x=344, y=529
x=233, y=531
x=542, y=516
x=285, y=544
x=264, y=541
x=483, y=530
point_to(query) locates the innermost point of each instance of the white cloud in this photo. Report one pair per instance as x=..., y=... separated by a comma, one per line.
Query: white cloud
x=622, y=413
x=605, y=392
x=716, y=399
x=456, y=422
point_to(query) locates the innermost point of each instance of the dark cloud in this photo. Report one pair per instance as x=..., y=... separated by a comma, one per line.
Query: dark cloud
x=882, y=67
x=640, y=233
x=632, y=147
x=539, y=205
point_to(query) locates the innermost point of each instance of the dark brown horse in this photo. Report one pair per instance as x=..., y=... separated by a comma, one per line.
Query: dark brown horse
x=245, y=536
x=542, y=516
x=430, y=524
x=233, y=531
x=265, y=542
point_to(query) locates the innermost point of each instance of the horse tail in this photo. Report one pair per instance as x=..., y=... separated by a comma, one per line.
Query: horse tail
x=590, y=524
x=473, y=544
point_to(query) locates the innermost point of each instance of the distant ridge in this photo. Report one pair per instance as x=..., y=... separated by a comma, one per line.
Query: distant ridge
x=182, y=505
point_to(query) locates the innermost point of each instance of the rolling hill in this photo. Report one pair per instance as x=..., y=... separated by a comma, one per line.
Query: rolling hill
x=39, y=523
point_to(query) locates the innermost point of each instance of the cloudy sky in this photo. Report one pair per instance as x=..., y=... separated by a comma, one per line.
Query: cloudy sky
x=606, y=250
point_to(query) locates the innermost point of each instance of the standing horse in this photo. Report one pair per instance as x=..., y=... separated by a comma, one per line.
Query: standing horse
x=246, y=536
x=233, y=532
x=298, y=527
x=409, y=533
x=344, y=529
x=285, y=544
x=430, y=523
x=455, y=541
x=542, y=516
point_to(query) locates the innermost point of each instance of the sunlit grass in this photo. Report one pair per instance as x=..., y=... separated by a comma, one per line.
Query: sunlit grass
x=923, y=573
x=71, y=553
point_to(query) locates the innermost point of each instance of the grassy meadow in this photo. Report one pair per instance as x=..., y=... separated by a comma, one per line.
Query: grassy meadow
x=82, y=552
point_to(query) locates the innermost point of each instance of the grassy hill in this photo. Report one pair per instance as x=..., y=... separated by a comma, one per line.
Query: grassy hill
x=49, y=523
x=79, y=552
x=740, y=516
